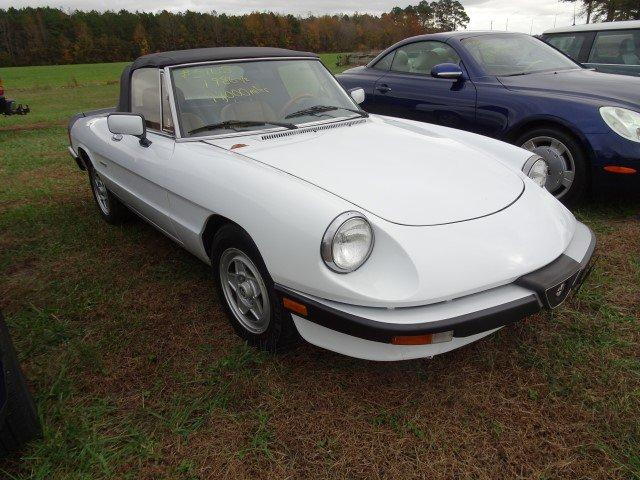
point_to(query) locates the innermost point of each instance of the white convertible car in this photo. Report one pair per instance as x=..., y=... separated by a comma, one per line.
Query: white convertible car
x=378, y=238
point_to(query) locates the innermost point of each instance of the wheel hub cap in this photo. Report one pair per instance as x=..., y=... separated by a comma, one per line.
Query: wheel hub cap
x=560, y=161
x=101, y=192
x=557, y=166
x=245, y=290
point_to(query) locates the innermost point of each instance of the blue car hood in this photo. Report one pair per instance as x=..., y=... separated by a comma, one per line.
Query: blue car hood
x=605, y=88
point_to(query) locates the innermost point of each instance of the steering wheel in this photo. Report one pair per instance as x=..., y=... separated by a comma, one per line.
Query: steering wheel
x=293, y=101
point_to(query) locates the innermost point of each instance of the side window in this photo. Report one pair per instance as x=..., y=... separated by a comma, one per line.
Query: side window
x=167, y=119
x=421, y=57
x=145, y=95
x=570, y=44
x=616, y=47
x=385, y=62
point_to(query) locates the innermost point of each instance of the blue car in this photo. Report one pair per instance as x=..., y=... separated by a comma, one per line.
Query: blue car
x=515, y=88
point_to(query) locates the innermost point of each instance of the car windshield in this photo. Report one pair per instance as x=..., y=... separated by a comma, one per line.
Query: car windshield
x=505, y=55
x=221, y=98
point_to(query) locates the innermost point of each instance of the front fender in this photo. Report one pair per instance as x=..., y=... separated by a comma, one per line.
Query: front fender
x=507, y=154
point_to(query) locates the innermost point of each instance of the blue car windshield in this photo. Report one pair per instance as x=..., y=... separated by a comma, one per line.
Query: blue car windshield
x=508, y=54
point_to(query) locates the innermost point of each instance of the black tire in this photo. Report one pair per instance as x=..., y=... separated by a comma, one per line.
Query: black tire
x=281, y=333
x=579, y=187
x=19, y=422
x=112, y=210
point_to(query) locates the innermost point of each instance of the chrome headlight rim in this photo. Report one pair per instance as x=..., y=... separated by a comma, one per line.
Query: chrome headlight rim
x=627, y=131
x=529, y=167
x=326, y=246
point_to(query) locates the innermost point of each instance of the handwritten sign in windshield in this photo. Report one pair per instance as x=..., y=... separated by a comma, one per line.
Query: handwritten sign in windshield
x=220, y=84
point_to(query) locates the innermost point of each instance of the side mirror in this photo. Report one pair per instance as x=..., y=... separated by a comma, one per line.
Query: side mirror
x=128, y=124
x=447, y=70
x=357, y=94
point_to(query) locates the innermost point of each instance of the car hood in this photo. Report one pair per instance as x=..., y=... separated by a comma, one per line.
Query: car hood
x=401, y=174
x=585, y=84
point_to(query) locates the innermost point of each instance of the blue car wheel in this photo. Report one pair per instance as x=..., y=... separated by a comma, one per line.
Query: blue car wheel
x=567, y=179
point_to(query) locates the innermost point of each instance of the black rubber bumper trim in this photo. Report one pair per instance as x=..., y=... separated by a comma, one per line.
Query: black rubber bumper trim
x=563, y=270
x=540, y=281
x=462, y=326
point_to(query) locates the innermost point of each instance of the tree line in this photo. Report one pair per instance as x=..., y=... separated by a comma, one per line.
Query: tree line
x=609, y=10
x=45, y=36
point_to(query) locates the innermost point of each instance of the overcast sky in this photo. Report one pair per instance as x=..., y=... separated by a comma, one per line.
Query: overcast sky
x=515, y=15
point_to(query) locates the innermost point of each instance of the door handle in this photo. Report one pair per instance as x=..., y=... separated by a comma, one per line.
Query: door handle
x=384, y=88
x=116, y=137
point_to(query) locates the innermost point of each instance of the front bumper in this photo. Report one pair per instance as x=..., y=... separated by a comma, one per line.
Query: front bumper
x=611, y=150
x=373, y=333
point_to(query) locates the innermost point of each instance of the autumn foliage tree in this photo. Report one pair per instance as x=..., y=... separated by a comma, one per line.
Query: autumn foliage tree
x=40, y=36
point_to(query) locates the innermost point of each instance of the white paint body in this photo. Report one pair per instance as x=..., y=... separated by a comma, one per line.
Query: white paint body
x=455, y=220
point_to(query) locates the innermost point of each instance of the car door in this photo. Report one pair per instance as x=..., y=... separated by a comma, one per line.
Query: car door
x=408, y=90
x=138, y=171
x=616, y=51
x=366, y=78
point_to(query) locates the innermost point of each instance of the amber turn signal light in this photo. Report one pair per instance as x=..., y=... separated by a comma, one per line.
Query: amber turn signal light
x=426, y=339
x=412, y=340
x=622, y=170
x=295, y=307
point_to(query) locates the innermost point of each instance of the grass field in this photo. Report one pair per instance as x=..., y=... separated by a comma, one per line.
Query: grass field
x=138, y=375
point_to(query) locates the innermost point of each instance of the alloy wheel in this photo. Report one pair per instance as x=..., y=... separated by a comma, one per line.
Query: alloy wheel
x=101, y=193
x=562, y=167
x=245, y=290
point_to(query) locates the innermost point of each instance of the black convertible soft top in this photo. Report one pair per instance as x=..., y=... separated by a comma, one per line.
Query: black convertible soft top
x=196, y=55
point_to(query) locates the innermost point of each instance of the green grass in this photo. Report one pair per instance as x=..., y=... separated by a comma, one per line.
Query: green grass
x=137, y=373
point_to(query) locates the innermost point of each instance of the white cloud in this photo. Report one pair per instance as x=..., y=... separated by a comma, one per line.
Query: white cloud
x=516, y=15
x=528, y=16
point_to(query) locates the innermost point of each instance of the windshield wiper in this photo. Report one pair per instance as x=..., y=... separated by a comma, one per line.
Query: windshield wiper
x=318, y=109
x=235, y=124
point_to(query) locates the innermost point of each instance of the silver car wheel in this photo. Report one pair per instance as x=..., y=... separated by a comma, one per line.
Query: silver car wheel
x=561, y=163
x=101, y=192
x=245, y=291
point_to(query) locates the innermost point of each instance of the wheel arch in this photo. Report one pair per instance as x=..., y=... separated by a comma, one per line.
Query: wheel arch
x=555, y=123
x=212, y=225
x=85, y=158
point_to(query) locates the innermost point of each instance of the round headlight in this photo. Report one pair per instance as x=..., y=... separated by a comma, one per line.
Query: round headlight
x=347, y=243
x=537, y=169
x=625, y=123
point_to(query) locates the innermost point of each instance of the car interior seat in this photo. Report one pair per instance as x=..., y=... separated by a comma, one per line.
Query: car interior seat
x=628, y=53
x=426, y=61
x=401, y=61
x=150, y=107
x=189, y=119
x=248, y=109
